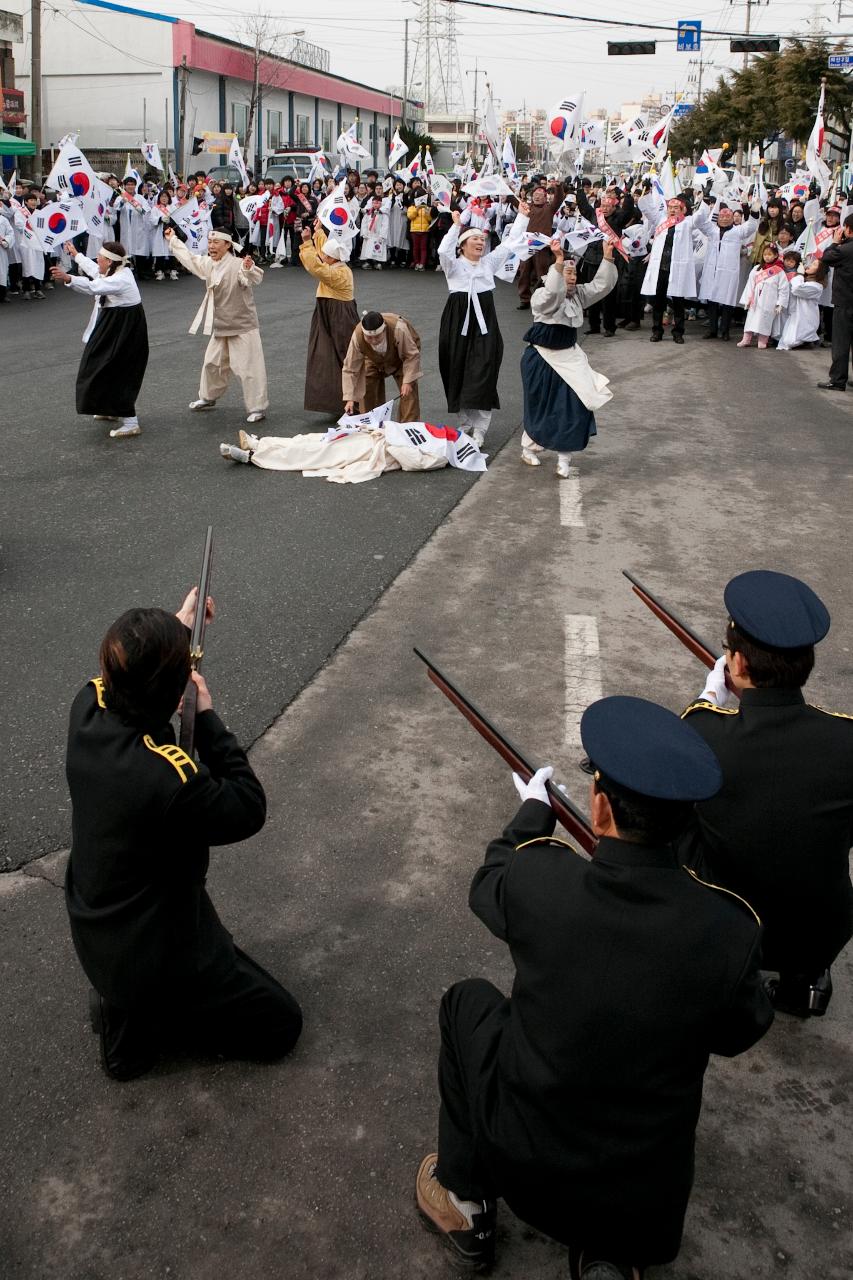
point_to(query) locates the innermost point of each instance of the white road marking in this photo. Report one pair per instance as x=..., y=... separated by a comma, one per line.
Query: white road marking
x=571, y=511
x=582, y=673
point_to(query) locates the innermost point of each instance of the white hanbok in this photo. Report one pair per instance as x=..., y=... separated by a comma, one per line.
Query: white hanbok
x=761, y=297
x=721, y=273
x=157, y=222
x=30, y=253
x=803, y=317
x=398, y=224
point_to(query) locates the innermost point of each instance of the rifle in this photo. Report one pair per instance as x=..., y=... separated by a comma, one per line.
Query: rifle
x=679, y=629
x=567, y=815
x=188, y=710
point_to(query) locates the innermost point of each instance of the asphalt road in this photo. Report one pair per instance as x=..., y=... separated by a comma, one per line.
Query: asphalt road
x=90, y=526
x=381, y=801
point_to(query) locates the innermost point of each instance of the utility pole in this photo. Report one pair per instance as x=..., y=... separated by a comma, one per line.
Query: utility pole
x=475, y=73
x=405, y=71
x=180, y=156
x=35, y=82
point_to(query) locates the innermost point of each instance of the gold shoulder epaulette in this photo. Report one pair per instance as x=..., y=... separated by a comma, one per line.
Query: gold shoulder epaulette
x=99, y=691
x=839, y=715
x=701, y=705
x=545, y=840
x=720, y=889
x=177, y=758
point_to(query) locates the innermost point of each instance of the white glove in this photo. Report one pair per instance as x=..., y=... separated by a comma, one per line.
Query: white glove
x=716, y=689
x=535, y=789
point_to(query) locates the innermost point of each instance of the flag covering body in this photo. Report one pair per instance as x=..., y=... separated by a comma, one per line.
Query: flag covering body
x=153, y=159
x=442, y=441
x=71, y=175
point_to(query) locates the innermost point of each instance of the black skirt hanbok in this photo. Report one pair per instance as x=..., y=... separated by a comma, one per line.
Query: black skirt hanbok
x=554, y=415
x=470, y=365
x=114, y=362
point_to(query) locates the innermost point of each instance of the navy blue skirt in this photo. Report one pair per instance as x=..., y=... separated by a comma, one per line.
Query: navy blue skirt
x=554, y=416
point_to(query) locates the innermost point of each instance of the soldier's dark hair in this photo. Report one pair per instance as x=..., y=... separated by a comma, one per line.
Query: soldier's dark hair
x=771, y=668
x=145, y=663
x=644, y=819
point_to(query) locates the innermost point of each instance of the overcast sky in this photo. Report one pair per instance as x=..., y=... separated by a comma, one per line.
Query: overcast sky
x=528, y=59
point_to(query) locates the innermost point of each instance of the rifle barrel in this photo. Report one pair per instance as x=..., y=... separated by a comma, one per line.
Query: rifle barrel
x=569, y=816
x=685, y=634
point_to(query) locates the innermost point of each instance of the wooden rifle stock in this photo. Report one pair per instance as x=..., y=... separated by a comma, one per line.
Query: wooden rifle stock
x=567, y=815
x=679, y=629
x=190, y=702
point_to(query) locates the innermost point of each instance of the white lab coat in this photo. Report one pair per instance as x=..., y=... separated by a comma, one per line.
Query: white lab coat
x=721, y=280
x=132, y=228
x=30, y=256
x=761, y=315
x=801, y=323
x=7, y=245
x=682, y=269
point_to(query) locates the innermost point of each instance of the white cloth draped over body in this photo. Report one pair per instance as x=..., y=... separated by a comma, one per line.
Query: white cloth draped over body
x=682, y=267
x=551, y=305
x=118, y=290
x=465, y=276
x=352, y=459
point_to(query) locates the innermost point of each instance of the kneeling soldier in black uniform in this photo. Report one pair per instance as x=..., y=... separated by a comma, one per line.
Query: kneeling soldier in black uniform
x=577, y=1099
x=780, y=830
x=144, y=813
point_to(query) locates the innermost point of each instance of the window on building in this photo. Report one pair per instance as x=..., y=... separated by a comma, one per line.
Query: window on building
x=273, y=130
x=326, y=126
x=240, y=120
x=372, y=143
x=302, y=123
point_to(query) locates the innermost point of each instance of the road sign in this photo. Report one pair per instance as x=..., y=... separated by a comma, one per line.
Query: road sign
x=689, y=36
x=682, y=108
x=840, y=60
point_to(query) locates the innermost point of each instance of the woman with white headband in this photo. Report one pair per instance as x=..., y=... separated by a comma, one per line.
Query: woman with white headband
x=470, y=346
x=116, y=338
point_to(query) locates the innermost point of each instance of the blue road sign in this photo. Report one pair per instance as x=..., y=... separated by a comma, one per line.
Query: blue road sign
x=689, y=36
x=840, y=60
x=682, y=108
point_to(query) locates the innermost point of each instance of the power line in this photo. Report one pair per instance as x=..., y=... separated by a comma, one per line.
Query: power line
x=600, y=22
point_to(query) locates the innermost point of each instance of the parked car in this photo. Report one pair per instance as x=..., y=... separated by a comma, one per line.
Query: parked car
x=226, y=173
x=291, y=162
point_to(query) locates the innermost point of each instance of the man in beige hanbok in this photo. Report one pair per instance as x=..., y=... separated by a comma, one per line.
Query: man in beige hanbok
x=228, y=315
x=383, y=345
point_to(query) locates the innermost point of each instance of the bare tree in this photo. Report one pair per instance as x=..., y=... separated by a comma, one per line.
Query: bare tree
x=268, y=44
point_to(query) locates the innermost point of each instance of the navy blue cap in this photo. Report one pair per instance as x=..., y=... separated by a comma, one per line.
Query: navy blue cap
x=776, y=609
x=647, y=749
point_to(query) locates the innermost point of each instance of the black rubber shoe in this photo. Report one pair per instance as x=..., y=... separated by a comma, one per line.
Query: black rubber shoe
x=656, y=337
x=679, y=338
x=832, y=386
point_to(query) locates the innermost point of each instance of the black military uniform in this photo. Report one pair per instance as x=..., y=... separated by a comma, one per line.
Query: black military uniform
x=780, y=830
x=146, y=933
x=577, y=1099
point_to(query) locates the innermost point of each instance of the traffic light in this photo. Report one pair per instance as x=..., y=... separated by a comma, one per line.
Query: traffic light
x=755, y=44
x=615, y=47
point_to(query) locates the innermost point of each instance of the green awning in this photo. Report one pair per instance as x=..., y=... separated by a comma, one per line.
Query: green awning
x=12, y=146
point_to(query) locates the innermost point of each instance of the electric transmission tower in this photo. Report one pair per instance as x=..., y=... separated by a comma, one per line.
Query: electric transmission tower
x=436, y=60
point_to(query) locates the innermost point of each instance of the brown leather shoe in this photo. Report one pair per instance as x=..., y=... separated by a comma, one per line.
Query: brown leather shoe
x=470, y=1235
